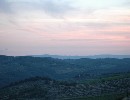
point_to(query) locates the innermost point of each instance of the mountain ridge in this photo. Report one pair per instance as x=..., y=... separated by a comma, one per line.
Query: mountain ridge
x=78, y=57
x=21, y=67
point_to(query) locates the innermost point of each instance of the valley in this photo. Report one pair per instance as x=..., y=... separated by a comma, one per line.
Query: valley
x=36, y=78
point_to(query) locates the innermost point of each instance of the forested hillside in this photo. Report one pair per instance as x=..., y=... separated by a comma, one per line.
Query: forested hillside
x=18, y=68
x=43, y=88
x=35, y=78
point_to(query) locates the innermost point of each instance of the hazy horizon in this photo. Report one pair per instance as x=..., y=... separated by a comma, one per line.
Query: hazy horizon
x=60, y=55
x=64, y=27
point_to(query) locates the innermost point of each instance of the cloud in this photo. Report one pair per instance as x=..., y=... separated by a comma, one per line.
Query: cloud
x=55, y=7
x=52, y=8
x=4, y=6
x=126, y=3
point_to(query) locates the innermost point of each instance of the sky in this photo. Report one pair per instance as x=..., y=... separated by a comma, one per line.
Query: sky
x=64, y=27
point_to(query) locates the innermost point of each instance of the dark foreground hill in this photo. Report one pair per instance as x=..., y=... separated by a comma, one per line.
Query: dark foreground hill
x=18, y=68
x=42, y=88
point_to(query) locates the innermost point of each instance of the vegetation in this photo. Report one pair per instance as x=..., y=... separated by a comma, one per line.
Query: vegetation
x=33, y=78
x=43, y=88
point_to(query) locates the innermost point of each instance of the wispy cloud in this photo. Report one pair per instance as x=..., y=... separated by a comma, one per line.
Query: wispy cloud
x=102, y=25
x=55, y=7
x=5, y=6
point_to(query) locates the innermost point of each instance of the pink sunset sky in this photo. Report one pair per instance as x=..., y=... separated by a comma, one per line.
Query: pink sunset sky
x=64, y=27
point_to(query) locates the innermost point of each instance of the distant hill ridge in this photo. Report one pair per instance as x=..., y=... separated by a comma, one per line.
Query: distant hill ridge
x=21, y=67
x=78, y=57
